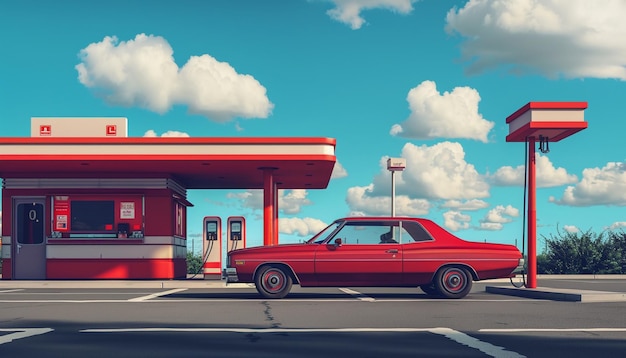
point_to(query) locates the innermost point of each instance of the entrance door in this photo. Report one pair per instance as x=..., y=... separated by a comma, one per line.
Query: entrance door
x=29, y=244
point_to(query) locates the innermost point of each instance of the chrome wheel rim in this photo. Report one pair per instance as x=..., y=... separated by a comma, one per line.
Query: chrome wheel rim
x=273, y=280
x=454, y=280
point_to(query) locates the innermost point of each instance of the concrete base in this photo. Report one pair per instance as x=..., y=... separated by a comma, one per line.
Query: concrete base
x=559, y=294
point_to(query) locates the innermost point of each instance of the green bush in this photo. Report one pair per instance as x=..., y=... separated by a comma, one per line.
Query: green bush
x=583, y=253
x=194, y=263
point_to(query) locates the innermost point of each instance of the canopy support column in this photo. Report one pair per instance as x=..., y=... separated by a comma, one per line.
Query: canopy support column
x=269, y=207
x=275, y=214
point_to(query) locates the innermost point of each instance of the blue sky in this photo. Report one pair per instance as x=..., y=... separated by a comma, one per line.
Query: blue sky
x=431, y=81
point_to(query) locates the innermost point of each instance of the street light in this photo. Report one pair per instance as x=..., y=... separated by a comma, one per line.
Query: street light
x=394, y=165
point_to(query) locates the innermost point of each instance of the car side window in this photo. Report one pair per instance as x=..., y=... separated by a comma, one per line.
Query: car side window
x=368, y=233
x=415, y=232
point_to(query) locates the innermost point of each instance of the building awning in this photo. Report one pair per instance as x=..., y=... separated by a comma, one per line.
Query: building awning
x=196, y=163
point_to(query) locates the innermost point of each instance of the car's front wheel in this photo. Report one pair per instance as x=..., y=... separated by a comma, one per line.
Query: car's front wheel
x=273, y=282
x=453, y=282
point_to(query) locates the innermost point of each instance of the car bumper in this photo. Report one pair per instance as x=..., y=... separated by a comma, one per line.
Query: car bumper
x=230, y=274
x=520, y=267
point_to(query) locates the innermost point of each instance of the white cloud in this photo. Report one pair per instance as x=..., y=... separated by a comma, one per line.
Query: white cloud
x=289, y=201
x=152, y=133
x=300, y=227
x=572, y=38
x=339, y=171
x=618, y=225
x=599, y=186
x=498, y=216
x=546, y=174
x=436, y=172
x=451, y=115
x=362, y=202
x=571, y=229
x=468, y=205
x=142, y=72
x=455, y=220
x=349, y=11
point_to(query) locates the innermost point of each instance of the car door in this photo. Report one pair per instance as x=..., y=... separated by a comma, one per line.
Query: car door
x=421, y=254
x=361, y=259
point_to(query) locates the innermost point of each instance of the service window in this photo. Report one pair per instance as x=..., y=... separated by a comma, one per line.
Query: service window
x=180, y=219
x=92, y=215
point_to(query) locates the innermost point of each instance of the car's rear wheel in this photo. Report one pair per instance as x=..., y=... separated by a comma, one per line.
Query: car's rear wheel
x=453, y=282
x=273, y=282
x=430, y=289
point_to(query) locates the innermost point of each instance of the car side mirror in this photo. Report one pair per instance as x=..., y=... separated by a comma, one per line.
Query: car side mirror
x=338, y=242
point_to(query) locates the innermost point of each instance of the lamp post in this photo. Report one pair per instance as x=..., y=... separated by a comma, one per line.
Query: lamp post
x=394, y=165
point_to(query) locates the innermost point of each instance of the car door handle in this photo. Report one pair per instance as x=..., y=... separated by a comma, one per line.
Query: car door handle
x=392, y=251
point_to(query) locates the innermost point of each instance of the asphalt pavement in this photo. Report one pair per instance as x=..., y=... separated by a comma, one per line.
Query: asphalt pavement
x=576, y=288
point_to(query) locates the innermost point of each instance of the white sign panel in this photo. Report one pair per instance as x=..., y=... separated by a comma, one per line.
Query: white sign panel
x=79, y=127
x=127, y=210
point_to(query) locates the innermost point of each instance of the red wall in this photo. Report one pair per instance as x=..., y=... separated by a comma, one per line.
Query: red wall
x=160, y=215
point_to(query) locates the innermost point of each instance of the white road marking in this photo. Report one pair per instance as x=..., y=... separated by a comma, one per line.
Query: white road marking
x=155, y=295
x=521, y=330
x=66, y=301
x=253, y=330
x=333, y=300
x=459, y=337
x=21, y=333
x=74, y=293
x=487, y=348
x=15, y=290
x=357, y=294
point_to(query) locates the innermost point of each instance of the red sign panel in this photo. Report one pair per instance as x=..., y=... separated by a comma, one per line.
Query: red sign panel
x=45, y=130
x=61, y=213
x=111, y=130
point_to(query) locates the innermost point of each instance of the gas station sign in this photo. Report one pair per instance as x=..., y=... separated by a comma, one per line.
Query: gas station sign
x=79, y=127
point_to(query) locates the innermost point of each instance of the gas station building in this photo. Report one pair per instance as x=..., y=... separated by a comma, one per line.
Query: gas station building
x=82, y=200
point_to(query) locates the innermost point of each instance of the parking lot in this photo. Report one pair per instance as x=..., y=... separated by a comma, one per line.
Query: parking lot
x=72, y=319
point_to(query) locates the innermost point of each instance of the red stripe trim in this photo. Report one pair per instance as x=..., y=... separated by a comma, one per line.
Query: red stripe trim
x=169, y=140
x=116, y=269
x=173, y=157
x=97, y=242
x=212, y=264
x=533, y=129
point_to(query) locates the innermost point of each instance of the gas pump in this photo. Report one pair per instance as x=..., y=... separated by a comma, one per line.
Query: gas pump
x=212, y=248
x=236, y=233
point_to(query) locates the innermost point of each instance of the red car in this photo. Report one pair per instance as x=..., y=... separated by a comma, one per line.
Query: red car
x=375, y=252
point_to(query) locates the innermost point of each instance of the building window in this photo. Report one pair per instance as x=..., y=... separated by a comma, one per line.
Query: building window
x=92, y=215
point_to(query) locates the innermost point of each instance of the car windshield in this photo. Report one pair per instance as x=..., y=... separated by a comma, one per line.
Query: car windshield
x=321, y=236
